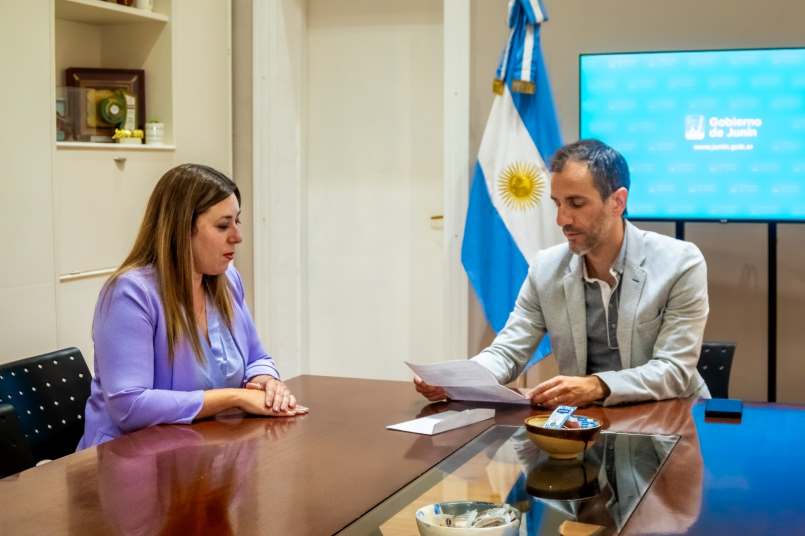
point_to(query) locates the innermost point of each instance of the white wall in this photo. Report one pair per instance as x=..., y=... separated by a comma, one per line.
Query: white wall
x=374, y=178
x=202, y=83
x=27, y=273
x=279, y=186
x=736, y=253
x=242, y=135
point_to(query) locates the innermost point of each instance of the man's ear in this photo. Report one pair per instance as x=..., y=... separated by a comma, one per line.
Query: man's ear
x=618, y=198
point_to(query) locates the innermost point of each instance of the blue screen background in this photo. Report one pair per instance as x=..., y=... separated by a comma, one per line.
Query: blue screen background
x=665, y=111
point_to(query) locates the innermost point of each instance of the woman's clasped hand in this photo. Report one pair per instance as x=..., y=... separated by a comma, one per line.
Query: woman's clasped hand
x=275, y=397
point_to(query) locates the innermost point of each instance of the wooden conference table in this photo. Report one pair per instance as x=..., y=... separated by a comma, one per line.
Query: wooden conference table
x=319, y=473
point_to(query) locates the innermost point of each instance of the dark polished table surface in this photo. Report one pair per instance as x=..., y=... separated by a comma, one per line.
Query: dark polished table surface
x=318, y=473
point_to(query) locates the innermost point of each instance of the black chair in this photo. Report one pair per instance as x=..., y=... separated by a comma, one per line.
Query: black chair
x=15, y=455
x=48, y=393
x=715, y=363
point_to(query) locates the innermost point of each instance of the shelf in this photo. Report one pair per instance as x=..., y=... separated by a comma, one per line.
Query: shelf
x=104, y=13
x=98, y=34
x=82, y=145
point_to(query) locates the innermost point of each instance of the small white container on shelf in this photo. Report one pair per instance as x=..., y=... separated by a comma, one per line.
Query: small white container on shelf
x=154, y=133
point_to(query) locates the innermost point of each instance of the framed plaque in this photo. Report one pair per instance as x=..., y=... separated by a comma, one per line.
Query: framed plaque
x=105, y=99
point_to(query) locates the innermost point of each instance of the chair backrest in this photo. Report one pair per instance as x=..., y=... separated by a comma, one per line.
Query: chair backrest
x=48, y=393
x=715, y=363
x=15, y=456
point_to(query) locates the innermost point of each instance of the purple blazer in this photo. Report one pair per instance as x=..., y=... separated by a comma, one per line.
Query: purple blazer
x=135, y=384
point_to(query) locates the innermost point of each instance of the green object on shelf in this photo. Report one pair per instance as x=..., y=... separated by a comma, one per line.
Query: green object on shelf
x=112, y=109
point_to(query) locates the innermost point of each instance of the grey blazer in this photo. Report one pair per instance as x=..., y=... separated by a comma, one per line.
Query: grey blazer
x=661, y=318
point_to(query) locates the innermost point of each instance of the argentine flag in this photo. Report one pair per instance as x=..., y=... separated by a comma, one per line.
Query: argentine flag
x=510, y=215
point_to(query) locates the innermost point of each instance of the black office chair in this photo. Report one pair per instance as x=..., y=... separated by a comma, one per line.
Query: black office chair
x=48, y=393
x=715, y=363
x=15, y=455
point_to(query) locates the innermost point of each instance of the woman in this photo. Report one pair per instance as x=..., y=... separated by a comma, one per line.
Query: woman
x=174, y=339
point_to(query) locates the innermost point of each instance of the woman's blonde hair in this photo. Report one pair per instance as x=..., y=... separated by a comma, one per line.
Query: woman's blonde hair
x=163, y=241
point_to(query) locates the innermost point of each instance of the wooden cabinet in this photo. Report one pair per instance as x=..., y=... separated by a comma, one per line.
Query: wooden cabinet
x=27, y=276
x=75, y=305
x=97, y=34
x=100, y=198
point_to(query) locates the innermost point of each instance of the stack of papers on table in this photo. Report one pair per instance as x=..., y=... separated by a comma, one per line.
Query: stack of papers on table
x=467, y=380
x=442, y=422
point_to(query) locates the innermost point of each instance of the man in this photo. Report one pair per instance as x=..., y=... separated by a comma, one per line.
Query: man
x=625, y=308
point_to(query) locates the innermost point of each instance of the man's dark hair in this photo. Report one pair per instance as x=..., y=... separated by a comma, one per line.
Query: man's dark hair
x=606, y=165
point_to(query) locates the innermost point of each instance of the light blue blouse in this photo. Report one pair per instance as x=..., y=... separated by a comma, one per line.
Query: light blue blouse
x=225, y=366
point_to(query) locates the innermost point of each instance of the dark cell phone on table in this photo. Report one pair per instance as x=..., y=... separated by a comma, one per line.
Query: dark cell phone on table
x=723, y=408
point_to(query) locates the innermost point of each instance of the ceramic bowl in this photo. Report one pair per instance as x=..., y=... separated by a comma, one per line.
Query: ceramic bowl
x=425, y=519
x=563, y=443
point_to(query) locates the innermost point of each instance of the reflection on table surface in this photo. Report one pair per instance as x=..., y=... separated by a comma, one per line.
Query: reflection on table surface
x=259, y=476
x=182, y=480
x=503, y=465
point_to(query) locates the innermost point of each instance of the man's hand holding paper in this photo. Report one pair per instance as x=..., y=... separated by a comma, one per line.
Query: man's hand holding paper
x=462, y=380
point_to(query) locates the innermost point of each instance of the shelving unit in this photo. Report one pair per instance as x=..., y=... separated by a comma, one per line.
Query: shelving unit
x=98, y=34
x=116, y=179
x=66, y=145
x=99, y=12
x=89, y=198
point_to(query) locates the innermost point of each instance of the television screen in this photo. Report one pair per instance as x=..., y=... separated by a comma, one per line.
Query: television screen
x=708, y=135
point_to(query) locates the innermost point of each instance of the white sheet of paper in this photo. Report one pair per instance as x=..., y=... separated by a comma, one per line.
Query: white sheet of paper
x=467, y=380
x=442, y=422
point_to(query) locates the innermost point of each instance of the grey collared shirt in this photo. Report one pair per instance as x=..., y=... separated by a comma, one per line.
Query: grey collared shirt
x=601, y=304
